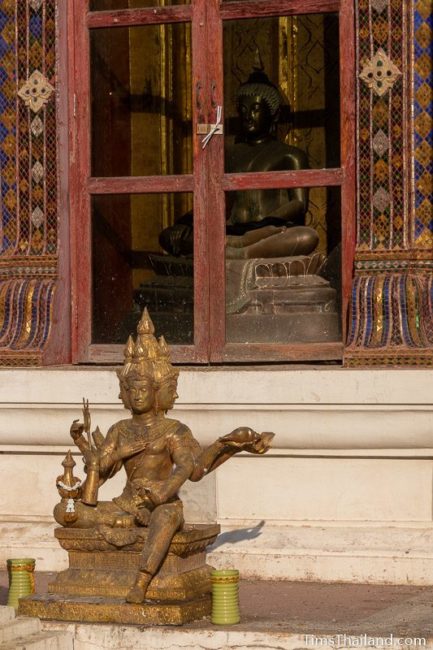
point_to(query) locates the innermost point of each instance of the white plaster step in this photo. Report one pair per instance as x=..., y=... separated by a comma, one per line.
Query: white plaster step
x=25, y=633
x=6, y=614
x=117, y=637
x=19, y=627
x=40, y=641
x=382, y=554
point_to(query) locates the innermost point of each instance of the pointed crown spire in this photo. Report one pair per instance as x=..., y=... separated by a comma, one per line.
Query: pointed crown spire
x=147, y=357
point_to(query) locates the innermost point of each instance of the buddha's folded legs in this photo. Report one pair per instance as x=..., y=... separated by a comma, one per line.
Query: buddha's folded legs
x=298, y=240
x=252, y=236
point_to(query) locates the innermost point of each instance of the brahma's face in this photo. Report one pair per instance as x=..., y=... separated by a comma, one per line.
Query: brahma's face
x=167, y=394
x=140, y=395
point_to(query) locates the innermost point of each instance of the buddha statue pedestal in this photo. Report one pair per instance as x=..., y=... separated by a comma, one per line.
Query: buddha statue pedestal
x=280, y=300
x=103, y=564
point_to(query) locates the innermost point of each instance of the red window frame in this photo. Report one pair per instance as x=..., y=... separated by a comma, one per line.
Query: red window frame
x=208, y=182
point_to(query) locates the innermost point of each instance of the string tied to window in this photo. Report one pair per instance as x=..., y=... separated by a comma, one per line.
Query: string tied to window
x=214, y=129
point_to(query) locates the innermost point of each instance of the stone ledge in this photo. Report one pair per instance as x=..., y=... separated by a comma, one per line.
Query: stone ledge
x=384, y=554
x=111, y=637
x=278, y=615
x=348, y=552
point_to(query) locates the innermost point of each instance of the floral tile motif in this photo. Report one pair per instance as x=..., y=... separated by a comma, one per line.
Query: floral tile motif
x=380, y=73
x=36, y=91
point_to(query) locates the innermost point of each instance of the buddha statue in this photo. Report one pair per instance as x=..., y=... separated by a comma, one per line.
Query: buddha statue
x=265, y=223
x=159, y=455
x=260, y=223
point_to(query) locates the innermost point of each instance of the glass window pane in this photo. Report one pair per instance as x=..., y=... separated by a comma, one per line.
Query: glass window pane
x=111, y=5
x=141, y=100
x=281, y=93
x=131, y=270
x=283, y=279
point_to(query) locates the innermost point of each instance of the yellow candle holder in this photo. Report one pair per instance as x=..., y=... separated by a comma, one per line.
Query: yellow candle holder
x=225, y=597
x=21, y=579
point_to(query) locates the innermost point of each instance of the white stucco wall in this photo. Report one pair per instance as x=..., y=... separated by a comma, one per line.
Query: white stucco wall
x=345, y=493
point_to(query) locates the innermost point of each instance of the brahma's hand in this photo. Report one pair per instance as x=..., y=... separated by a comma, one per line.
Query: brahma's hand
x=76, y=430
x=245, y=439
x=130, y=448
x=156, y=491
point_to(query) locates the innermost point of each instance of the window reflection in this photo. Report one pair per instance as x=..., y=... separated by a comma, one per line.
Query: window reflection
x=283, y=284
x=141, y=100
x=130, y=271
x=299, y=56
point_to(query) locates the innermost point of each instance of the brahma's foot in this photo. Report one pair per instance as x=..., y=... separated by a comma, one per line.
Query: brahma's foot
x=138, y=592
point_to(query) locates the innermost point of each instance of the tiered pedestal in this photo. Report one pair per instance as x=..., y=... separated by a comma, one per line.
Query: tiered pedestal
x=280, y=300
x=102, y=568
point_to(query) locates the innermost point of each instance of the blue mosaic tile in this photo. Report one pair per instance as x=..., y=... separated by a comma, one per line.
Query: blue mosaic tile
x=4, y=103
x=4, y=47
x=419, y=228
x=420, y=111
x=418, y=138
x=418, y=49
x=3, y=132
x=3, y=20
x=36, y=26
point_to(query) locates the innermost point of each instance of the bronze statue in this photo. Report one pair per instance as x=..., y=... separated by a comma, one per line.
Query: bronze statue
x=159, y=454
x=260, y=223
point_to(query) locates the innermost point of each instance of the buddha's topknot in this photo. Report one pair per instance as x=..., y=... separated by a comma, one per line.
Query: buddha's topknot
x=258, y=83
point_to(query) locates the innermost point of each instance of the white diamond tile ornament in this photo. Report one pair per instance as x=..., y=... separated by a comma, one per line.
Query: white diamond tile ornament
x=35, y=4
x=37, y=217
x=36, y=91
x=37, y=127
x=37, y=172
x=379, y=5
x=380, y=143
x=380, y=73
x=381, y=199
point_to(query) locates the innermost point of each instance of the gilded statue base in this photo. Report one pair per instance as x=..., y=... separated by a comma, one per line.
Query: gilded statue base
x=103, y=565
x=94, y=609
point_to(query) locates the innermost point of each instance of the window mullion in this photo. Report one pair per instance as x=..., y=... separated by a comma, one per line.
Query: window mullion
x=266, y=8
x=216, y=199
x=136, y=17
x=140, y=184
x=200, y=104
x=284, y=179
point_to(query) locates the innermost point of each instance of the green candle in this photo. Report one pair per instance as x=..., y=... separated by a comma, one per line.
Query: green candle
x=225, y=597
x=21, y=579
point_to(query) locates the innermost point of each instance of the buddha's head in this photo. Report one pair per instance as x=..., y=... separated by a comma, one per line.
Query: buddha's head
x=258, y=102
